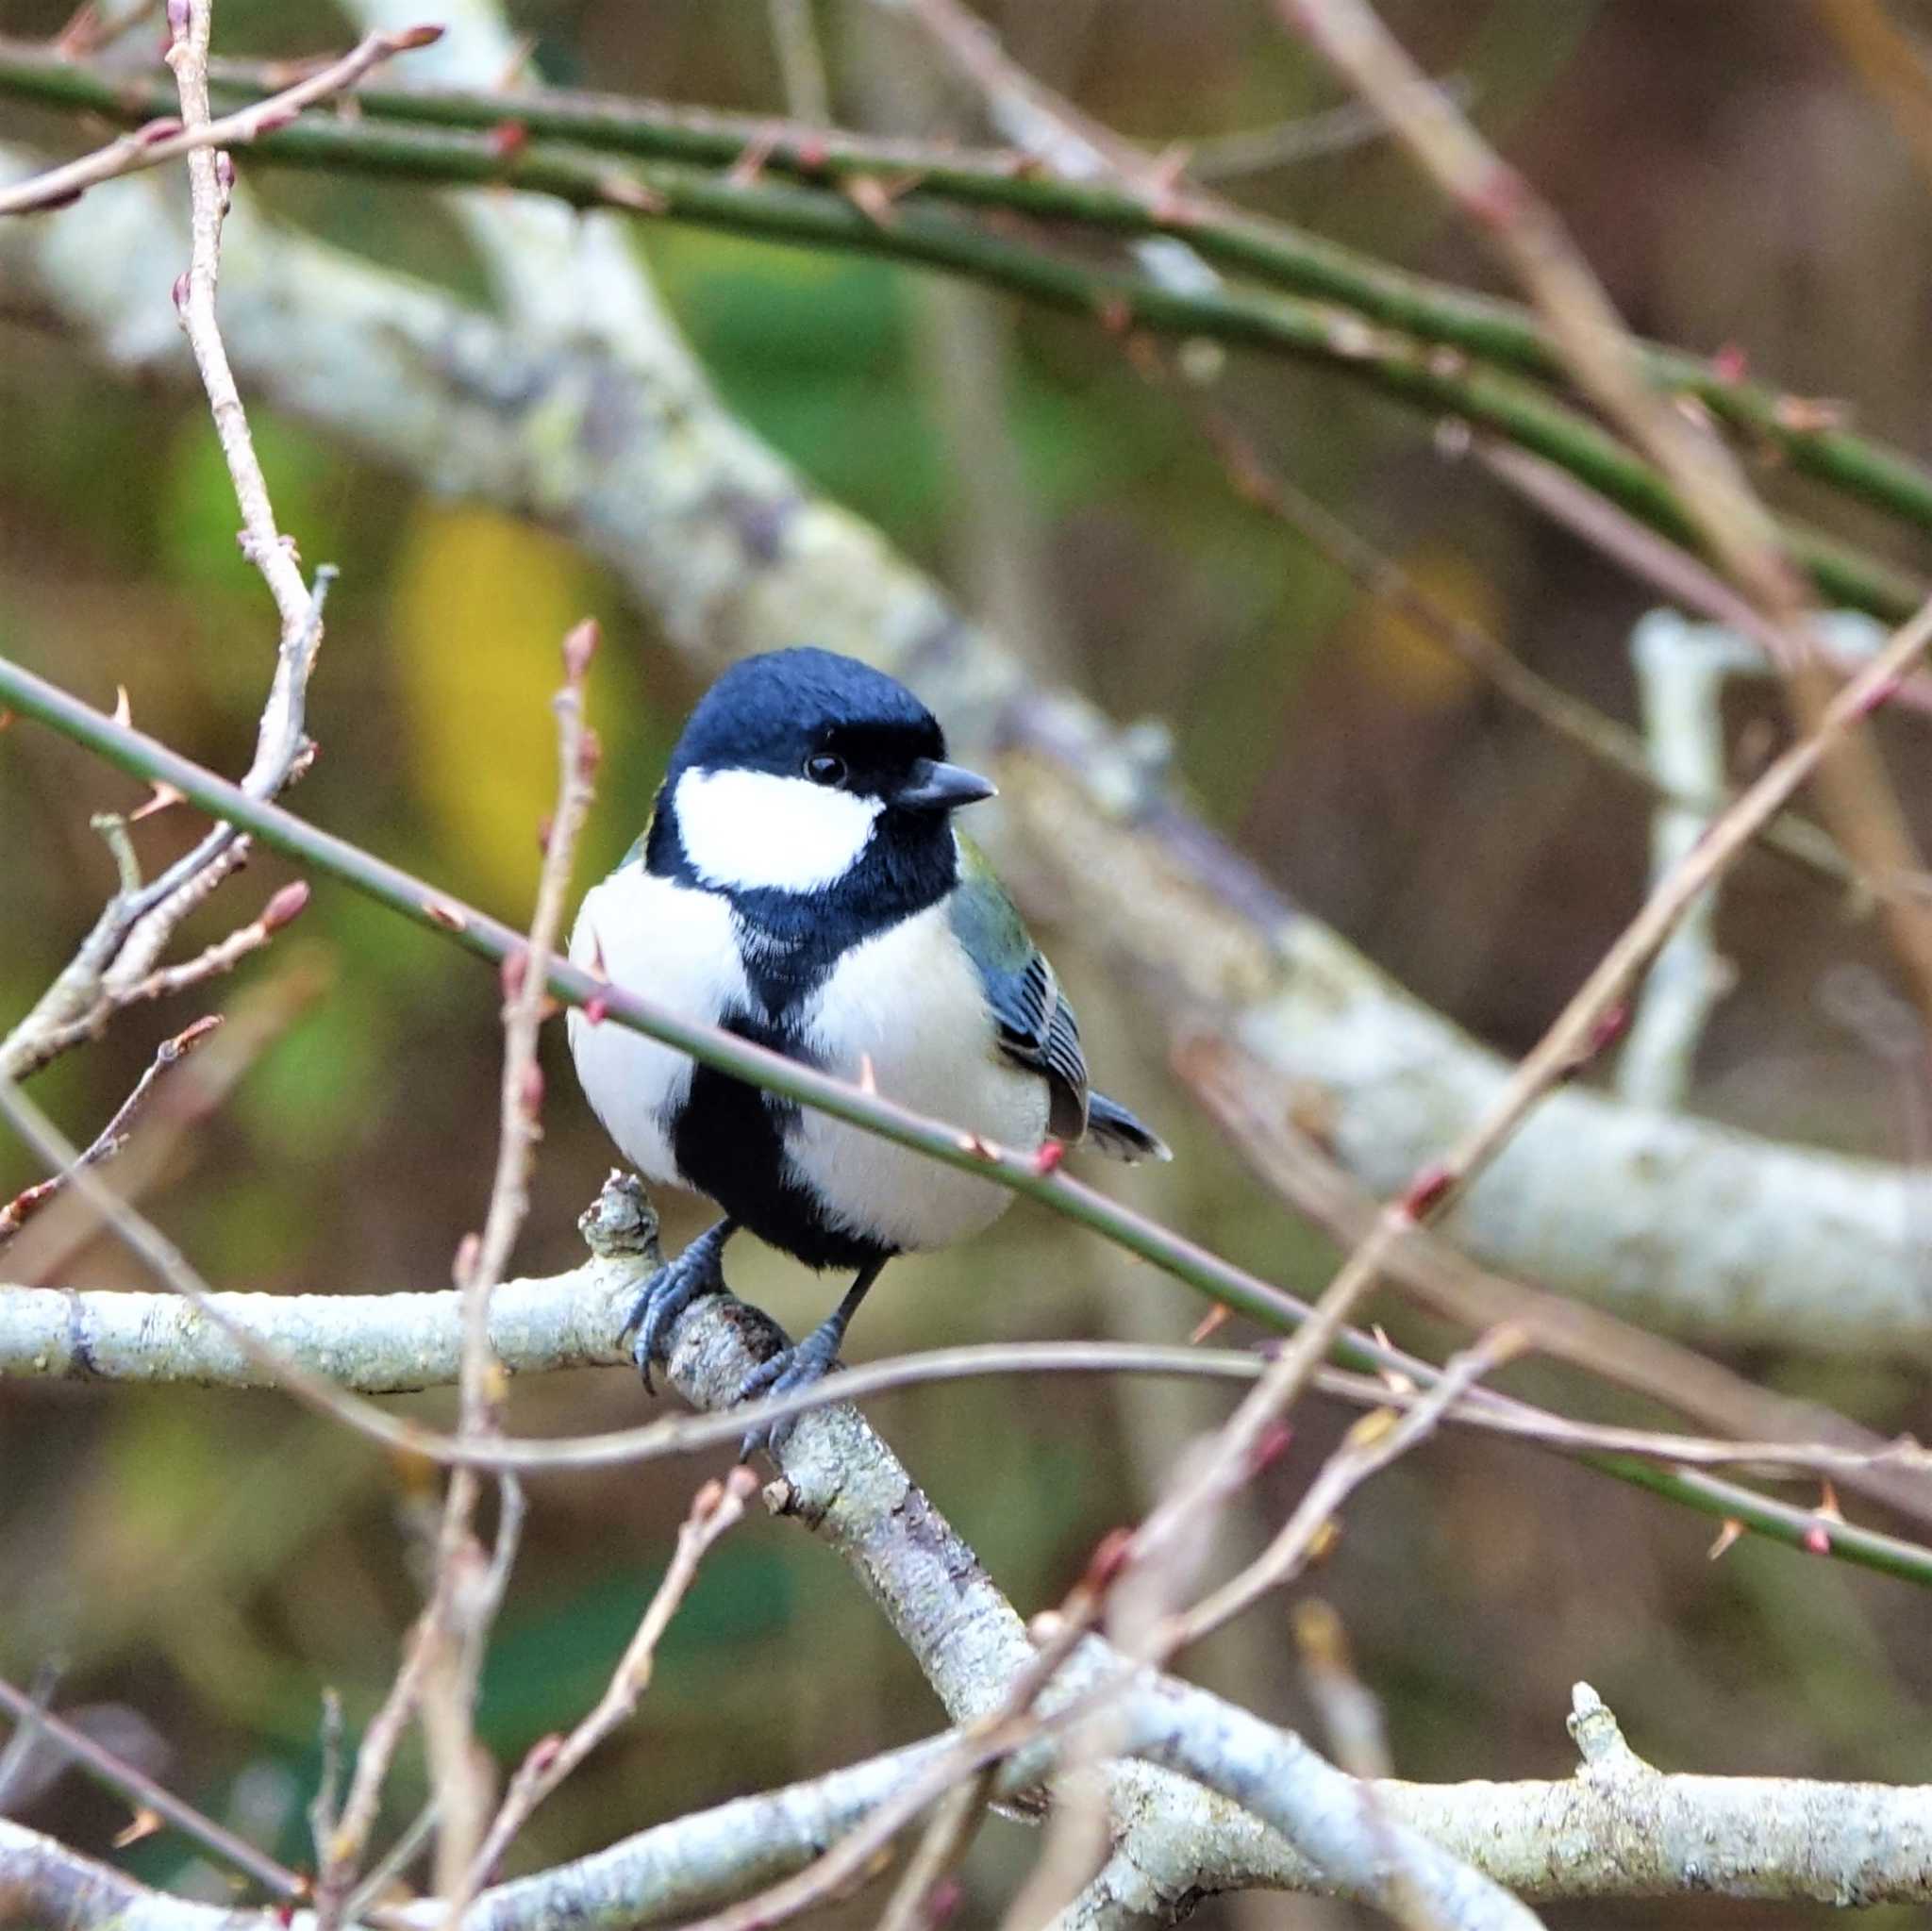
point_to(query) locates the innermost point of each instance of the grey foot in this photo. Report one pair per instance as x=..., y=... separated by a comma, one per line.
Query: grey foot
x=803, y=1365
x=697, y=1271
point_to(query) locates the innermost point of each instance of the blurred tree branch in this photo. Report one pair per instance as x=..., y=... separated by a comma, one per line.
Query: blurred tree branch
x=622, y=445
x=1618, y=1828
x=709, y=530
x=1801, y=430
x=1360, y=341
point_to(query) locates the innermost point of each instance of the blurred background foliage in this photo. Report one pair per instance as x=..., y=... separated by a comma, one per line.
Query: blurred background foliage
x=212, y=1560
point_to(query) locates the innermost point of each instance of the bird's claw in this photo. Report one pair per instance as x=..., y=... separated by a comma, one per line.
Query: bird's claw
x=802, y=1365
x=665, y=1295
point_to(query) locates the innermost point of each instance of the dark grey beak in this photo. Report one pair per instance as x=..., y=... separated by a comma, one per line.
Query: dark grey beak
x=936, y=787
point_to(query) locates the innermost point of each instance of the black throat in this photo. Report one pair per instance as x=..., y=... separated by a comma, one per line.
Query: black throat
x=729, y=1137
x=789, y=941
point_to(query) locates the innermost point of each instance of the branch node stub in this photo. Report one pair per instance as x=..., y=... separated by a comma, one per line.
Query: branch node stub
x=1599, y=1739
x=621, y=1223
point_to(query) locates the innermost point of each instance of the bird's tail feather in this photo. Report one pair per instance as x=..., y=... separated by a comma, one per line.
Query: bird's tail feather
x=1112, y=1130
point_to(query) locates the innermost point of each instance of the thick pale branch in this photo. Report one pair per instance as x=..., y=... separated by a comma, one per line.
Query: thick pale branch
x=1617, y=1829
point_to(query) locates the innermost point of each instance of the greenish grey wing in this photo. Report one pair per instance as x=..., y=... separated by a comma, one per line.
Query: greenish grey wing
x=1036, y=1025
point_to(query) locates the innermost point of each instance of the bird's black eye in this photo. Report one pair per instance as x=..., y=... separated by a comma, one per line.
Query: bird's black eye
x=823, y=767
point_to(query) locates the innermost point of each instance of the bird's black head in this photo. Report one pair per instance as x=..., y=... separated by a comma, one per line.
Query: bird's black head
x=806, y=776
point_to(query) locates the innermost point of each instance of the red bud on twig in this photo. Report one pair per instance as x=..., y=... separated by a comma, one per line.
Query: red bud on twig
x=1426, y=1190
x=1880, y=695
x=1110, y=1556
x=287, y=905
x=1269, y=1450
x=1216, y=1318
x=579, y=647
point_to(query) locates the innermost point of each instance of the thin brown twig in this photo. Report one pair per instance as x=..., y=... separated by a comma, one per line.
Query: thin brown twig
x=442, y=1661
x=918, y=1900
x=1601, y=738
x=1856, y=792
x=1348, y=1709
x=462, y=1817
x=1571, y=1041
x=1675, y=573
x=1334, y=130
x=1352, y=1719
x=162, y=141
x=716, y=1508
x=139, y=1787
x=1243, y=1099
x=113, y=1136
x=116, y=961
x=980, y=1746
x=1374, y=1442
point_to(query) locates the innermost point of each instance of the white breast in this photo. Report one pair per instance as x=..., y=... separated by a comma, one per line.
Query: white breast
x=676, y=946
x=910, y=1002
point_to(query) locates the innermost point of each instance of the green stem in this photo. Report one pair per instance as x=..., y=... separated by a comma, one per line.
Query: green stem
x=1273, y=251
x=1428, y=376
x=146, y=759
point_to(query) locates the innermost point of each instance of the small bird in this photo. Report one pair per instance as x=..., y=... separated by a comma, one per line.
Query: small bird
x=801, y=884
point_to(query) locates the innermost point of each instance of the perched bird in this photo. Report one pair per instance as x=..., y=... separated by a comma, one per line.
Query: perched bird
x=801, y=884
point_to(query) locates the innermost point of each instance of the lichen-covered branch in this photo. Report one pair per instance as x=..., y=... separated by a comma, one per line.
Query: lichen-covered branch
x=627, y=451
x=1618, y=1828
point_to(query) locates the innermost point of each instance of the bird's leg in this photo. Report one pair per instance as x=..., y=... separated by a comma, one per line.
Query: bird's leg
x=804, y=1363
x=698, y=1271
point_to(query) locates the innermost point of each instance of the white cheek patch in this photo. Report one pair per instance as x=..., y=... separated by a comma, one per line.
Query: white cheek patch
x=752, y=830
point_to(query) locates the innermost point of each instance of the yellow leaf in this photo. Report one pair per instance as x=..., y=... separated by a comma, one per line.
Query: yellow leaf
x=481, y=605
x=1413, y=666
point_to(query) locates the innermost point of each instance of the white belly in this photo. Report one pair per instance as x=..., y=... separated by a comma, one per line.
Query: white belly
x=677, y=947
x=909, y=1002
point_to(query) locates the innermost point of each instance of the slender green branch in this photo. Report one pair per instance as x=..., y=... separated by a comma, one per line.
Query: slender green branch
x=1811, y=438
x=1431, y=377
x=143, y=757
